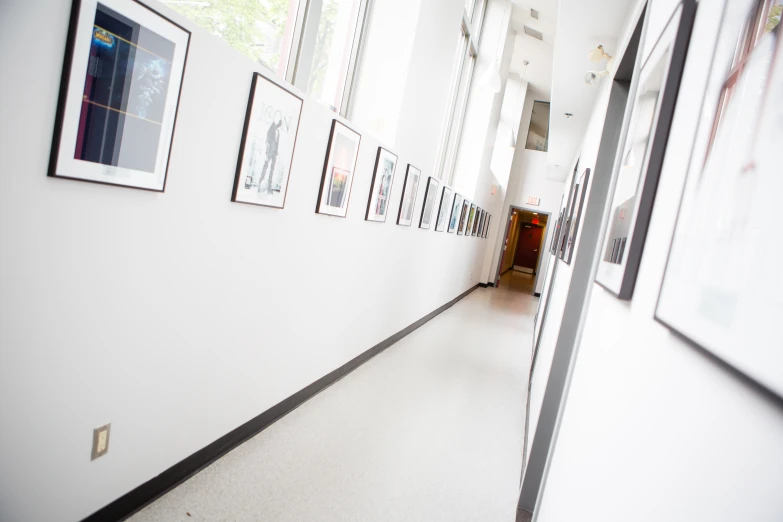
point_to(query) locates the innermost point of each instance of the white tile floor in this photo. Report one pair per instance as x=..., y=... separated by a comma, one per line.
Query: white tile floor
x=428, y=431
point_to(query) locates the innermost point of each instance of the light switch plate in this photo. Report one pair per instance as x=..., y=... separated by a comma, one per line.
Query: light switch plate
x=100, y=441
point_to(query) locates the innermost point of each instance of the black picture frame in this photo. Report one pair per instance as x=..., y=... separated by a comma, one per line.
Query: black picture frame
x=579, y=203
x=63, y=97
x=454, y=216
x=410, y=189
x=378, y=156
x=443, y=211
x=669, y=51
x=324, y=173
x=430, y=193
x=463, y=217
x=243, y=143
x=477, y=215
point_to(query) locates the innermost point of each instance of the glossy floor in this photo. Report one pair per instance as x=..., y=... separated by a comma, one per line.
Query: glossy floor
x=518, y=281
x=430, y=430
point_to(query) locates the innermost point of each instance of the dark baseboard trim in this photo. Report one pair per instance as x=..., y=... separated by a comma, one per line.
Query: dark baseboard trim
x=536, y=294
x=138, y=498
x=486, y=285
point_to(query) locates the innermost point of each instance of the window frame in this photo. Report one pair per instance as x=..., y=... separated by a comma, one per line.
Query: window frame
x=468, y=45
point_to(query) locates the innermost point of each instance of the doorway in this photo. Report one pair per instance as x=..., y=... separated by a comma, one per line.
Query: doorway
x=522, y=248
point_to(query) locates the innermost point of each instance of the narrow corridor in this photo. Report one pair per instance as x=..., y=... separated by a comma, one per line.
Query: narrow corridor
x=430, y=430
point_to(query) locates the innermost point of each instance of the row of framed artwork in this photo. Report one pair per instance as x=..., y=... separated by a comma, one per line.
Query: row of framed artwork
x=119, y=96
x=721, y=289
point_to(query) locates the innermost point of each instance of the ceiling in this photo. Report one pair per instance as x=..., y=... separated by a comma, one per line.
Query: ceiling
x=581, y=26
x=538, y=53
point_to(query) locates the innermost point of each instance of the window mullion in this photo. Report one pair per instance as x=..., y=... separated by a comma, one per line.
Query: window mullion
x=359, y=37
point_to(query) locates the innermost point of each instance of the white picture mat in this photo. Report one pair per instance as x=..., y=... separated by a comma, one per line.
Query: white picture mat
x=611, y=274
x=456, y=208
x=70, y=167
x=732, y=203
x=408, y=202
x=428, y=207
x=268, y=94
x=343, y=153
x=383, y=156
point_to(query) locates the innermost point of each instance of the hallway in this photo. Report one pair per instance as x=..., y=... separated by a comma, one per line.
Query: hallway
x=429, y=430
x=518, y=282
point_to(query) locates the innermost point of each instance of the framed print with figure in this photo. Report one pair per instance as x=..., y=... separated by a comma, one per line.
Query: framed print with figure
x=119, y=95
x=408, y=201
x=339, y=167
x=380, y=188
x=268, y=142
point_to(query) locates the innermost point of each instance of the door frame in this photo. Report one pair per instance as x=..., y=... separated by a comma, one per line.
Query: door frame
x=511, y=208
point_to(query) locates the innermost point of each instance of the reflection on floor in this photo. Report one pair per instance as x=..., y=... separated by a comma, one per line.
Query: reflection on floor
x=428, y=431
x=518, y=281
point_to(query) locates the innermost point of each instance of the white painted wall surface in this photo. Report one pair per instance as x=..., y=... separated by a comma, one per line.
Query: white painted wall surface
x=179, y=316
x=654, y=429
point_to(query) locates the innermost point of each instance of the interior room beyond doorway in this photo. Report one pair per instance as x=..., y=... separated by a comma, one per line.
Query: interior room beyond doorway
x=522, y=247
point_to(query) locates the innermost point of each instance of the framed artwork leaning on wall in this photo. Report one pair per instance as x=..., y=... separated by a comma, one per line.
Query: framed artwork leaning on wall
x=339, y=169
x=268, y=142
x=456, y=208
x=381, y=185
x=636, y=177
x=408, y=200
x=119, y=95
x=722, y=286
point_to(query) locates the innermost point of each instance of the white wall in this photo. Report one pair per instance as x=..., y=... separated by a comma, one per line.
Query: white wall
x=179, y=316
x=653, y=429
x=528, y=178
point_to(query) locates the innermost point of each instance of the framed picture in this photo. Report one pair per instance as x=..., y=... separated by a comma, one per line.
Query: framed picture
x=119, y=95
x=569, y=217
x=480, y=221
x=443, y=210
x=486, y=228
x=409, y=190
x=430, y=194
x=722, y=285
x=268, y=141
x=339, y=167
x=454, y=219
x=474, y=229
x=579, y=202
x=463, y=219
x=380, y=188
x=471, y=218
x=636, y=178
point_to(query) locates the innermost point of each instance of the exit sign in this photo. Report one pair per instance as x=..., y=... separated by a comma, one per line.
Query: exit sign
x=532, y=200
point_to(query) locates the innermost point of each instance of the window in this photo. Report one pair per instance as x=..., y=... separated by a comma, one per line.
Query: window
x=464, y=63
x=313, y=44
x=538, y=132
x=263, y=30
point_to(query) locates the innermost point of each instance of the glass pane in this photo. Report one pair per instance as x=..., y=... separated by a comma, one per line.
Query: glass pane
x=460, y=104
x=771, y=18
x=337, y=22
x=538, y=134
x=260, y=29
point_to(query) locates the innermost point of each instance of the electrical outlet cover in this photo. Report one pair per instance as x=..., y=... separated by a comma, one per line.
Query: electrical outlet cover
x=100, y=441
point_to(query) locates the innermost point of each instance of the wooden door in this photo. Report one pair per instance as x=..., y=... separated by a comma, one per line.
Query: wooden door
x=528, y=247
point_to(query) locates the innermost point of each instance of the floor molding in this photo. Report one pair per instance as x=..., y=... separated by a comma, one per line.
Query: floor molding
x=140, y=497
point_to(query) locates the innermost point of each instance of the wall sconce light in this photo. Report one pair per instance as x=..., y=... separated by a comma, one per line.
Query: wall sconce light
x=596, y=55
